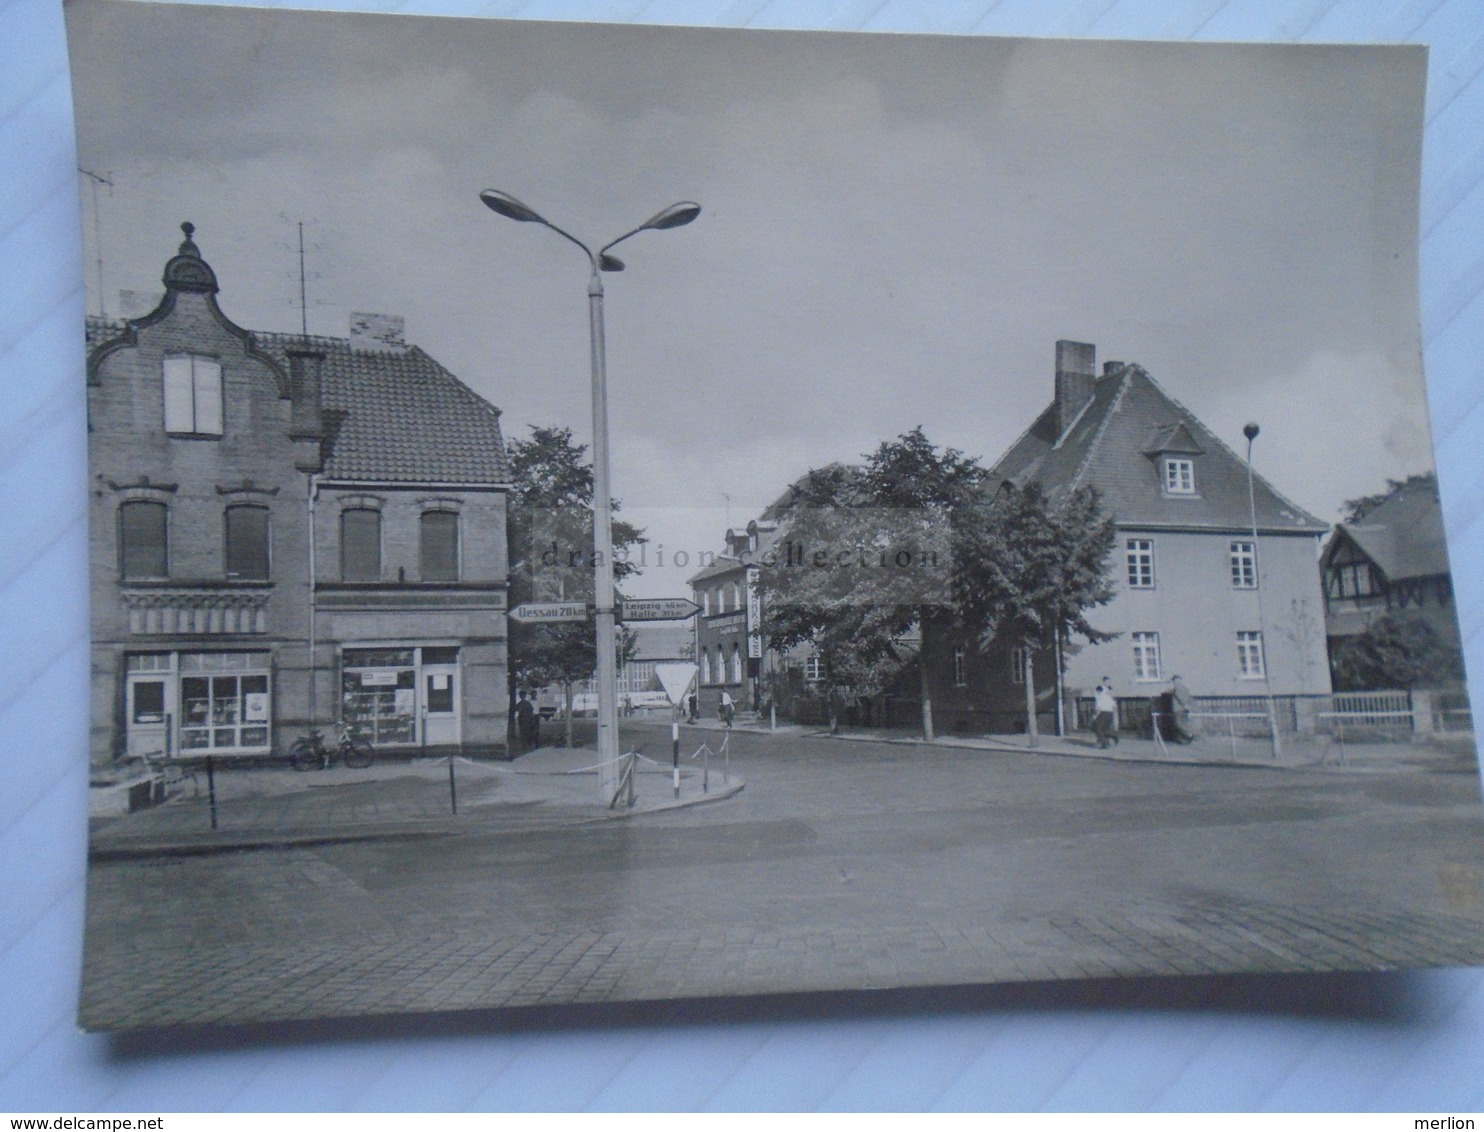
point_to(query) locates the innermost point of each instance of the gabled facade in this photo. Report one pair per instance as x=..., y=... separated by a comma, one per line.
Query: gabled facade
x=1197, y=594
x=729, y=641
x=1393, y=560
x=288, y=532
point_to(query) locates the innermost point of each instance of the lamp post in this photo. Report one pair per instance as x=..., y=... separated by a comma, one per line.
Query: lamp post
x=1250, y=431
x=600, y=261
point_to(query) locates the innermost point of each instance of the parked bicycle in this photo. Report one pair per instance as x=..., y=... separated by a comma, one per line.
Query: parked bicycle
x=310, y=752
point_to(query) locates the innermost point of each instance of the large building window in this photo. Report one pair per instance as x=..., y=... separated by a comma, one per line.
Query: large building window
x=813, y=669
x=1352, y=580
x=736, y=672
x=193, y=396
x=360, y=545
x=247, y=542
x=1179, y=475
x=705, y=667
x=960, y=667
x=143, y=540
x=1019, y=656
x=440, y=546
x=1146, y=656
x=1244, y=565
x=1250, y=662
x=1140, y=552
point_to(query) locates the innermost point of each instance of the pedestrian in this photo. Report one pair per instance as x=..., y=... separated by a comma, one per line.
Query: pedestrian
x=694, y=707
x=526, y=724
x=1105, y=708
x=1181, y=702
x=727, y=710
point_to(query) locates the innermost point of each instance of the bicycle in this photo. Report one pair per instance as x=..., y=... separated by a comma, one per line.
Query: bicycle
x=309, y=752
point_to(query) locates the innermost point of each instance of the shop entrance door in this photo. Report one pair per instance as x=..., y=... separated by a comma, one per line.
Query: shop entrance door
x=151, y=707
x=441, y=705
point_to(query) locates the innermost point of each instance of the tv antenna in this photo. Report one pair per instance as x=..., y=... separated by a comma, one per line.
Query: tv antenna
x=98, y=179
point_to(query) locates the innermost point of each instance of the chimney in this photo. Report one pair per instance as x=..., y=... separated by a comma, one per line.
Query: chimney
x=381, y=332
x=1076, y=363
x=306, y=422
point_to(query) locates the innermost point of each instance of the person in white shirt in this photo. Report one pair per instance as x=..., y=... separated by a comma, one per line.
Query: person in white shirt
x=1105, y=708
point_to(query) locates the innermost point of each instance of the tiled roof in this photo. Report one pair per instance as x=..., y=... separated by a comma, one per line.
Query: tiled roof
x=398, y=416
x=391, y=416
x=1111, y=446
x=1404, y=535
x=723, y=564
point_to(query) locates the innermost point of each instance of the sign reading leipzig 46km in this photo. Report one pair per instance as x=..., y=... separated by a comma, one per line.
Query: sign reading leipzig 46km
x=537, y=612
x=657, y=609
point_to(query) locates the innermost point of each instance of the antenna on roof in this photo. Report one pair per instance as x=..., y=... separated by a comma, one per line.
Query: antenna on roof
x=98, y=179
x=303, y=294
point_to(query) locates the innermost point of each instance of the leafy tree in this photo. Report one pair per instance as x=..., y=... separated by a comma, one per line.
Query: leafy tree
x=549, y=530
x=1395, y=652
x=1354, y=510
x=1031, y=567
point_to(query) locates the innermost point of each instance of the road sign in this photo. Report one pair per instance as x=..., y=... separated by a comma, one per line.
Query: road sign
x=657, y=609
x=675, y=677
x=538, y=612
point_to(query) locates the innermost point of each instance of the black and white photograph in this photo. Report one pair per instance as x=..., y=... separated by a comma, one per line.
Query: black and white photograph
x=588, y=514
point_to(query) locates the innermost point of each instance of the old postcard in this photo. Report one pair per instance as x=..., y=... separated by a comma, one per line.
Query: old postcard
x=589, y=514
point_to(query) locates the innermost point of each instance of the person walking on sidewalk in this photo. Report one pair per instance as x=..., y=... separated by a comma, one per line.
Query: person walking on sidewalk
x=1105, y=708
x=727, y=710
x=1180, y=707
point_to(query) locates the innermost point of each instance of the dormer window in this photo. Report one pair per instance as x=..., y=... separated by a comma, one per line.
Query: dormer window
x=1179, y=475
x=193, y=396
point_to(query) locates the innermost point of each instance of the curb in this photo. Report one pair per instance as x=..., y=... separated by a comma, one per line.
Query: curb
x=207, y=844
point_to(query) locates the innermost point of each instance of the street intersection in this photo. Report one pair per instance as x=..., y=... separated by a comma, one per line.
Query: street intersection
x=841, y=865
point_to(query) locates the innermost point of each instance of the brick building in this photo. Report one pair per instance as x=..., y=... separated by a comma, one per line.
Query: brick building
x=287, y=531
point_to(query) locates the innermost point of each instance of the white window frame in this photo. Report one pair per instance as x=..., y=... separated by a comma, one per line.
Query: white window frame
x=960, y=667
x=1179, y=475
x=1251, y=655
x=1139, y=563
x=1243, y=562
x=192, y=387
x=1148, y=664
x=813, y=669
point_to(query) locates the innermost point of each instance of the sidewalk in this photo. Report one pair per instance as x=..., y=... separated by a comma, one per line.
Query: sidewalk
x=259, y=807
x=1457, y=755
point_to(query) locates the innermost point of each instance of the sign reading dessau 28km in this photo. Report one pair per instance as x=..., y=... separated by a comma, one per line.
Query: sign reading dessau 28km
x=538, y=611
x=657, y=609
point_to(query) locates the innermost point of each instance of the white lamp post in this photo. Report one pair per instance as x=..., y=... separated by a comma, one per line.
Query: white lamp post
x=673, y=217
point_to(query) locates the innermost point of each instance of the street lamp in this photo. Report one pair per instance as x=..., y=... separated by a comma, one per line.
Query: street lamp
x=1250, y=431
x=600, y=261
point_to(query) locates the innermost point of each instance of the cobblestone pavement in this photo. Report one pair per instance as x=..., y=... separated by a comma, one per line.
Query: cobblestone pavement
x=840, y=866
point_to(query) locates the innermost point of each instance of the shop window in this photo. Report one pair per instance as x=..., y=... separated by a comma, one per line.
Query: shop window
x=224, y=704
x=360, y=545
x=247, y=542
x=379, y=694
x=142, y=540
x=440, y=546
x=193, y=396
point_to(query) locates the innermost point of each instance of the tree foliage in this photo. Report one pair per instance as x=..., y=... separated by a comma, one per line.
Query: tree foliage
x=549, y=527
x=1354, y=510
x=1395, y=652
x=992, y=564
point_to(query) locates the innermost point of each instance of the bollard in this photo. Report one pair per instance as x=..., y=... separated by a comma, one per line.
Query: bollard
x=453, y=793
x=675, y=753
x=211, y=788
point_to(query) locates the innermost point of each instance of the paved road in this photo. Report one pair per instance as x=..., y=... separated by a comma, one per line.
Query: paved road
x=841, y=865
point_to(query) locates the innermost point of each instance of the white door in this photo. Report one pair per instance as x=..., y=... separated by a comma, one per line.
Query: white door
x=150, y=707
x=440, y=705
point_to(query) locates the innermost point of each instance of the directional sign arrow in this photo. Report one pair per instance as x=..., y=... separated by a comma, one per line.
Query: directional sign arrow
x=657, y=609
x=536, y=612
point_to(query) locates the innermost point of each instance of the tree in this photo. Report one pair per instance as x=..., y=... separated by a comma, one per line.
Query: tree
x=866, y=562
x=1355, y=510
x=549, y=527
x=1395, y=652
x=1032, y=568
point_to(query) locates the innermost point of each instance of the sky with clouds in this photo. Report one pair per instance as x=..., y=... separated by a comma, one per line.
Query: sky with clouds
x=895, y=229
